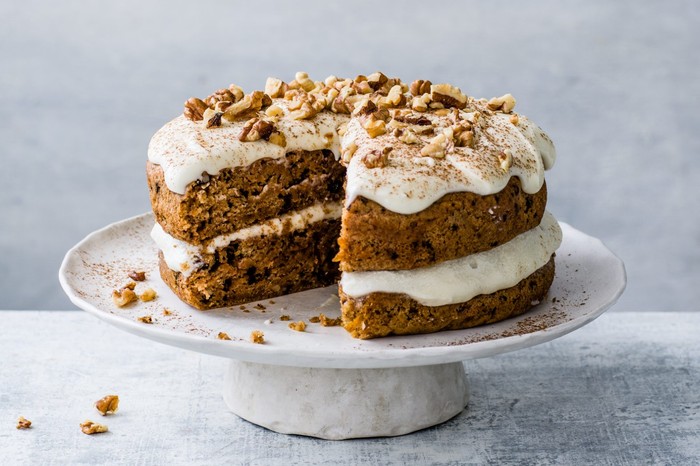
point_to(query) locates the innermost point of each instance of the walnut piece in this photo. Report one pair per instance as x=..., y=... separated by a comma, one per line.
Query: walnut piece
x=420, y=103
x=278, y=139
x=256, y=129
x=439, y=145
x=420, y=87
x=505, y=159
x=256, y=336
x=377, y=80
x=275, y=87
x=247, y=106
x=348, y=151
x=88, y=427
x=194, y=109
x=145, y=319
x=448, y=96
x=285, y=317
x=314, y=319
x=299, y=326
x=137, y=276
x=215, y=121
x=374, y=126
x=394, y=98
x=167, y=312
x=514, y=119
x=377, y=158
x=330, y=322
x=123, y=297
x=107, y=405
x=505, y=103
x=463, y=134
x=407, y=136
x=274, y=111
x=23, y=423
x=149, y=294
x=303, y=80
x=223, y=336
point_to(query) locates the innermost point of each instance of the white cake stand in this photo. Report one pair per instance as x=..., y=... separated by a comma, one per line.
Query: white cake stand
x=322, y=382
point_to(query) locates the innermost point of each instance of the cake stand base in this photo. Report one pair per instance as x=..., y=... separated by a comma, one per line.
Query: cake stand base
x=338, y=404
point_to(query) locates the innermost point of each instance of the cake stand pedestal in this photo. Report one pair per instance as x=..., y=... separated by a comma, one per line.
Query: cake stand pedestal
x=345, y=403
x=321, y=382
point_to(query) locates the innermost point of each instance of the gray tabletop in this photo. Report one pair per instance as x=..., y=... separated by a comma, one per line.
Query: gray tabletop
x=620, y=391
x=85, y=84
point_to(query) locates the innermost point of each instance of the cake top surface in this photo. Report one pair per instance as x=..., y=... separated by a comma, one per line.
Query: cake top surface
x=404, y=146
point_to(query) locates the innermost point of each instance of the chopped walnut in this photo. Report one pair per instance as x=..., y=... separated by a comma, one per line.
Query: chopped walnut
x=222, y=95
x=376, y=80
x=137, y=276
x=505, y=159
x=278, y=139
x=408, y=136
x=167, y=312
x=123, y=297
x=148, y=295
x=348, y=151
x=88, y=427
x=439, y=145
x=215, y=121
x=247, y=106
x=394, y=98
x=420, y=87
x=194, y=109
x=505, y=103
x=256, y=336
x=304, y=82
x=330, y=322
x=275, y=87
x=223, y=336
x=107, y=405
x=130, y=285
x=377, y=158
x=285, y=317
x=274, y=111
x=307, y=106
x=420, y=103
x=256, y=129
x=514, y=119
x=463, y=134
x=236, y=91
x=448, y=95
x=23, y=423
x=145, y=319
x=374, y=126
x=314, y=319
x=299, y=326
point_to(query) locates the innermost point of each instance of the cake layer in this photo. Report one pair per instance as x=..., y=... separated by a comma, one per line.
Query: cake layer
x=459, y=224
x=382, y=314
x=238, y=197
x=186, y=258
x=260, y=267
x=459, y=280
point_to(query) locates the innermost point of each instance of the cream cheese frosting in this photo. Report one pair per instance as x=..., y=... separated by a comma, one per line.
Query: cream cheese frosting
x=188, y=151
x=184, y=257
x=459, y=280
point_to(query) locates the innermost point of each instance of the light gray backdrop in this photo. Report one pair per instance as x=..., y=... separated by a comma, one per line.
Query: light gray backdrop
x=84, y=85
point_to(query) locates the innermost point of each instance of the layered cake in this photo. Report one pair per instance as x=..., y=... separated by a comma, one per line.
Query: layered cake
x=426, y=206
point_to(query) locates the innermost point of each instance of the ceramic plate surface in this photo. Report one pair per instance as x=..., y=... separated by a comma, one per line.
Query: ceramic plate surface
x=589, y=279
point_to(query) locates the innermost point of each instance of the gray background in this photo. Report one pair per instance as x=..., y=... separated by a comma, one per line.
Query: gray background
x=84, y=85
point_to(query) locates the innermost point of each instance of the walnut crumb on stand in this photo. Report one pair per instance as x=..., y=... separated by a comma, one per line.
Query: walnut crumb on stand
x=256, y=336
x=299, y=326
x=223, y=336
x=107, y=405
x=145, y=319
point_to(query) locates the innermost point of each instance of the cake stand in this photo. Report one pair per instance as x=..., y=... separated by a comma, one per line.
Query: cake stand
x=321, y=382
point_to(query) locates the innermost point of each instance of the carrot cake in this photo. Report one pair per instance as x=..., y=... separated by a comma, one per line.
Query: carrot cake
x=426, y=206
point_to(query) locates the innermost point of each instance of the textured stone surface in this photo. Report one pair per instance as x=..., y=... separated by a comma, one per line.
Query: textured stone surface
x=620, y=391
x=85, y=84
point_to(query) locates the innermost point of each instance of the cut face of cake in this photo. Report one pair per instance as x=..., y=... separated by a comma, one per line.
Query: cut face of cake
x=428, y=205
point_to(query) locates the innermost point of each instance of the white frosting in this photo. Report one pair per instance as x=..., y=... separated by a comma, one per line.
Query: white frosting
x=462, y=279
x=411, y=183
x=184, y=257
x=186, y=150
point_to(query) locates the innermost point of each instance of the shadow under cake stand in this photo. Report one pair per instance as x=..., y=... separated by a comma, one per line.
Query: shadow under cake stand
x=321, y=382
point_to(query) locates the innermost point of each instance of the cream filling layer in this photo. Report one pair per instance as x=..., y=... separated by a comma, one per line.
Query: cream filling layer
x=184, y=257
x=460, y=280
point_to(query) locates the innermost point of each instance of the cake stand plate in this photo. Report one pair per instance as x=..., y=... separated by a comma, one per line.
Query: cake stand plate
x=322, y=382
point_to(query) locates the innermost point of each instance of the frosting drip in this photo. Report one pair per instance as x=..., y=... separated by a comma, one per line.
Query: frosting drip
x=459, y=280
